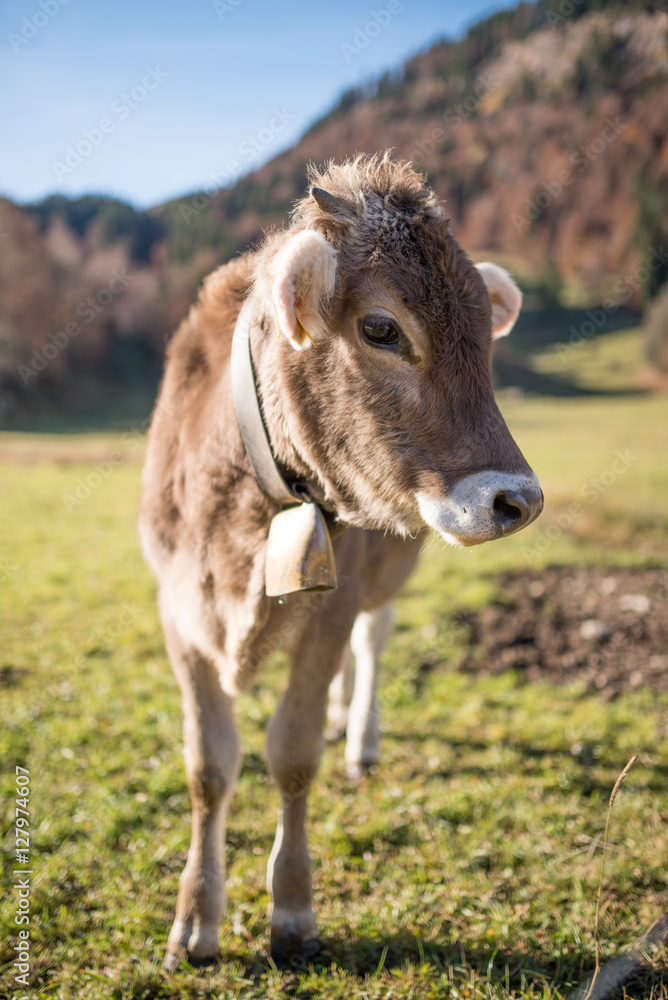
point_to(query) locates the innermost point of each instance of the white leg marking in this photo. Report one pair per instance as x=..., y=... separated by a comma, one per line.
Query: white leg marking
x=369, y=636
x=340, y=696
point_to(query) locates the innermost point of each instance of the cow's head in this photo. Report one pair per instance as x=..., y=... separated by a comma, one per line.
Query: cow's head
x=386, y=331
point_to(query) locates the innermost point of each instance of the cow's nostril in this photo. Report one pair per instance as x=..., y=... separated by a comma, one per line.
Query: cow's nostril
x=511, y=508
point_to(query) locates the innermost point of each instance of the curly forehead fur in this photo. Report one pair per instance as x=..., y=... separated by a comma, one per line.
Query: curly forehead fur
x=383, y=212
x=387, y=225
x=386, y=221
x=376, y=190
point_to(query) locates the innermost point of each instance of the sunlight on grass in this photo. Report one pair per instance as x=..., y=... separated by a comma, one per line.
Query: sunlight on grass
x=466, y=867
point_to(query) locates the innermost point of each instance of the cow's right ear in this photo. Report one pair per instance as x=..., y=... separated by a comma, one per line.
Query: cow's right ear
x=505, y=296
x=304, y=273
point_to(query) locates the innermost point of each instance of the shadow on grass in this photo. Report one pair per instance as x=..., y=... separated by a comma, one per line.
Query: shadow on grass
x=588, y=782
x=521, y=973
x=368, y=962
x=362, y=956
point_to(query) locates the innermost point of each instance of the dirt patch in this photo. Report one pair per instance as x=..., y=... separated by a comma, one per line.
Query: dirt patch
x=607, y=628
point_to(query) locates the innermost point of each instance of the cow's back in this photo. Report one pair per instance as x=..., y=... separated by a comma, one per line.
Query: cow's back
x=193, y=434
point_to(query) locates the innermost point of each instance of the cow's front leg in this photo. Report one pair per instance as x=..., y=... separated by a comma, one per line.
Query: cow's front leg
x=369, y=636
x=294, y=747
x=340, y=693
x=211, y=751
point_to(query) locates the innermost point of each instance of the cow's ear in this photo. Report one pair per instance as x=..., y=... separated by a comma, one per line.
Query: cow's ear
x=304, y=272
x=505, y=296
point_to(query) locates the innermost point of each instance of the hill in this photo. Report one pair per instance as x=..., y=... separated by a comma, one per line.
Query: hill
x=543, y=131
x=544, y=134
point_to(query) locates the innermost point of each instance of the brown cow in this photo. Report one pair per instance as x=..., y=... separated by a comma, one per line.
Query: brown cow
x=371, y=334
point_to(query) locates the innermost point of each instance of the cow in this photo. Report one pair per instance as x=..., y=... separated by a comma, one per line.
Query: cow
x=352, y=708
x=370, y=333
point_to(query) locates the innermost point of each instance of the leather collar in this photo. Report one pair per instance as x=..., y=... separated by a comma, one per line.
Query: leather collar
x=251, y=421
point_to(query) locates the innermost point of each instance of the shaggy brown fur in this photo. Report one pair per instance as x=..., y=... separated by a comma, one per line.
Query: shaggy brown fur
x=367, y=429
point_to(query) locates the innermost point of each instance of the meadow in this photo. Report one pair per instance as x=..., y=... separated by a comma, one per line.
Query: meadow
x=467, y=866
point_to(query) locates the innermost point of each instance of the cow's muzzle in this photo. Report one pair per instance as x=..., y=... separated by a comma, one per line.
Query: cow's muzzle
x=514, y=510
x=483, y=506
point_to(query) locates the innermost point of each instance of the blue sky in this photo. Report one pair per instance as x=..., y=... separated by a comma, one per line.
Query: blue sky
x=185, y=89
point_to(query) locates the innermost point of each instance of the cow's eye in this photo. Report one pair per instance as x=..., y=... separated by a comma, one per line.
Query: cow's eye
x=380, y=331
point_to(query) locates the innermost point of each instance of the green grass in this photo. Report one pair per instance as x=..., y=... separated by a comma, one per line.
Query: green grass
x=610, y=362
x=467, y=867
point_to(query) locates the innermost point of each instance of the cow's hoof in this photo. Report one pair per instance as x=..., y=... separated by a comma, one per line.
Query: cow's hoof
x=359, y=769
x=173, y=960
x=203, y=961
x=196, y=945
x=291, y=952
x=293, y=936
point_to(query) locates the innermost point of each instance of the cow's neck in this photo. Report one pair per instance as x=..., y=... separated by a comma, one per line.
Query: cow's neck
x=299, y=549
x=265, y=379
x=282, y=491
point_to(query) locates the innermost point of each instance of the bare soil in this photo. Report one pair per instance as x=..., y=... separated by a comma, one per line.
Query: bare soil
x=605, y=628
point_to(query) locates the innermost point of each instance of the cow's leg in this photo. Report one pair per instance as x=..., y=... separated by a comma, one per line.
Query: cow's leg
x=211, y=751
x=294, y=747
x=369, y=636
x=340, y=695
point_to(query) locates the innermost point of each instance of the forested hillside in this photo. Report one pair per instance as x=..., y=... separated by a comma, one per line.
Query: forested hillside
x=544, y=131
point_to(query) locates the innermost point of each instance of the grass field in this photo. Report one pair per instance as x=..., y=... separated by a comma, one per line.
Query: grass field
x=466, y=867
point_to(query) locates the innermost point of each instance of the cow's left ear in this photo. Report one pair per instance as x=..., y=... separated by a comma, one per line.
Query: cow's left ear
x=505, y=296
x=304, y=272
